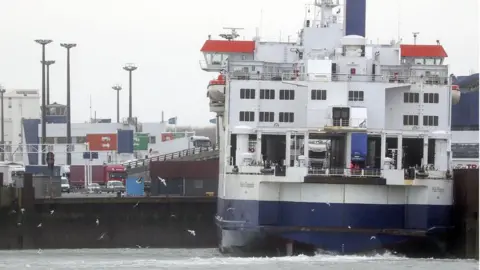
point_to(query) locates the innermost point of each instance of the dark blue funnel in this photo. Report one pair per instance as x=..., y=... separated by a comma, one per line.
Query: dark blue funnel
x=355, y=14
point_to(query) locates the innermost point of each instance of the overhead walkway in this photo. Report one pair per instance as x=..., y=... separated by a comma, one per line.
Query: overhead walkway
x=140, y=167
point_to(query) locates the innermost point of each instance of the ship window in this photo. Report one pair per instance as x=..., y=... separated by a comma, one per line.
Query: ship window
x=411, y=97
x=287, y=94
x=266, y=117
x=267, y=94
x=247, y=116
x=319, y=94
x=247, y=93
x=410, y=120
x=419, y=61
x=429, y=120
x=430, y=98
x=81, y=139
x=286, y=117
x=355, y=95
x=152, y=139
x=48, y=140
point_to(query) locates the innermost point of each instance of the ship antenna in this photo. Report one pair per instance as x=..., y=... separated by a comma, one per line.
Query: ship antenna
x=399, y=8
x=90, y=108
x=415, y=35
x=233, y=33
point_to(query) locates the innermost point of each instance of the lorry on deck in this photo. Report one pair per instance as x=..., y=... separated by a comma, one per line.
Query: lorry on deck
x=101, y=174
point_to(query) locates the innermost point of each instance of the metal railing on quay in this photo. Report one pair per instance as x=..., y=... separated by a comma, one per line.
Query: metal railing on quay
x=170, y=156
x=338, y=77
x=345, y=172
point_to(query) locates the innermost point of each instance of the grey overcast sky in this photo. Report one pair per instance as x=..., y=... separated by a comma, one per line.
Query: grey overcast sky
x=163, y=38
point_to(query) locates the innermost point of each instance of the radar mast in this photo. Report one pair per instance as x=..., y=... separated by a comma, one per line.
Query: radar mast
x=233, y=33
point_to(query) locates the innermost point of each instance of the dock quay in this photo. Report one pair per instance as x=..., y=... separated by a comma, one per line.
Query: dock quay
x=464, y=237
x=165, y=221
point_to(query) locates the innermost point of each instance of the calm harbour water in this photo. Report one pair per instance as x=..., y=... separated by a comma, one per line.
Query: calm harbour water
x=145, y=258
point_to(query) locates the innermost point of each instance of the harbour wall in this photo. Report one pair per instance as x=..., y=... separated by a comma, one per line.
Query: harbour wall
x=162, y=222
x=464, y=237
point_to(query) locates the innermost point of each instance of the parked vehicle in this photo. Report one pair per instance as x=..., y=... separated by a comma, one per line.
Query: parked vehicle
x=94, y=188
x=101, y=174
x=65, y=185
x=115, y=186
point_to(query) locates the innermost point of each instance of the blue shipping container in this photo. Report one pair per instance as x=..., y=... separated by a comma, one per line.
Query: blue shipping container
x=355, y=14
x=125, y=141
x=135, y=186
x=359, y=146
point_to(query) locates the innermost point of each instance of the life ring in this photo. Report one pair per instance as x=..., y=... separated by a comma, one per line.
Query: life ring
x=251, y=150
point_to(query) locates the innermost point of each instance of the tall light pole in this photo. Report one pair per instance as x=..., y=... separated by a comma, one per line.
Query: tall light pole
x=48, y=63
x=43, y=42
x=2, y=91
x=117, y=88
x=68, y=46
x=130, y=68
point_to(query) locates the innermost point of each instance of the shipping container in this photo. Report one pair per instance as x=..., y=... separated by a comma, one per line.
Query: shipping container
x=201, y=169
x=77, y=175
x=186, y=178
x=174, y=186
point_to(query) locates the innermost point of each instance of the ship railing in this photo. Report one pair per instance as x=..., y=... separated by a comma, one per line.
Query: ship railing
x=358, y=123
x=337, y=77
x=345, y=172
x=170, y=156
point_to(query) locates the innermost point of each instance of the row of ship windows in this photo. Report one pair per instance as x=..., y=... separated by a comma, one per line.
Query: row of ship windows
x=428, y=120
x=415, y=97
x=289, y=117
x=283, y=117
x=285, y=94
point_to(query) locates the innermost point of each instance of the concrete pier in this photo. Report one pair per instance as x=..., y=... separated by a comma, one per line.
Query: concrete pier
x=160, y=222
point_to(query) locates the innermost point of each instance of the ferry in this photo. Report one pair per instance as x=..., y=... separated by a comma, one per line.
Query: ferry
x=331, y=142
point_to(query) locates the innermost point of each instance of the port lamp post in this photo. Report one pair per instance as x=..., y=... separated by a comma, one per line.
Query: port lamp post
x=48, y=63
x=117, y=88
x=2, y=91
x=68, y=46
x=130, y=68
x=43, y=42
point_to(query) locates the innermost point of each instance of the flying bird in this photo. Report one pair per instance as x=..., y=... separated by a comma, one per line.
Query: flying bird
x=39, y=225
x=192, y=232
x=97, y=222
x=328, y=203
x=52, y=211
x=136, y=204
x=373, y=237
x=162, y=180
x=349, y=227
x=102, y=236
x=22, y=210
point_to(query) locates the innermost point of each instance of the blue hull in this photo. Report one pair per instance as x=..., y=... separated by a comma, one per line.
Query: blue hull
x=343, y=228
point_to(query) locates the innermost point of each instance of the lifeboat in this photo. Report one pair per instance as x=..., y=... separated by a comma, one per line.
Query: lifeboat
x=216, y=89
x=455, y=94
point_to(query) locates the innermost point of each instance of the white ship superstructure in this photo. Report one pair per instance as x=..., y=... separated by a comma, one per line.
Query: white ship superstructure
x=330, y=141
